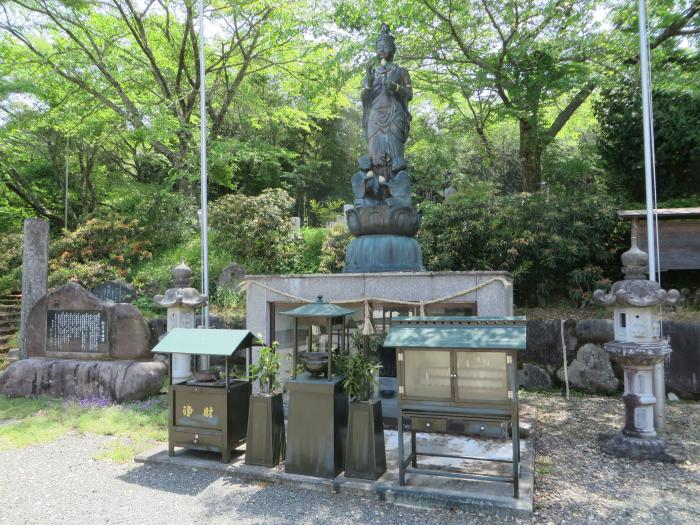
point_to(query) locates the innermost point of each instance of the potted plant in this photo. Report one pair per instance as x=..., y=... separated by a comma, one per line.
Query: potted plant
x=365, y=456
x=265, y=443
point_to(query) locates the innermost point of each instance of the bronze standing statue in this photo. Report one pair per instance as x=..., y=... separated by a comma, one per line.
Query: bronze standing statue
x=383, y=219
x=386, y=92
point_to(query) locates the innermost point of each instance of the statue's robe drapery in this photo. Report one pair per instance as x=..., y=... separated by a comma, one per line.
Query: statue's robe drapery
x=386, y=119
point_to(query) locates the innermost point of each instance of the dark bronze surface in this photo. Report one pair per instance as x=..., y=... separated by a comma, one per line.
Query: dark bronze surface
x=316, y=363
x=208, y=418
x=265, y=443
x=365, y=455
x=383, y=218
x=317, y=426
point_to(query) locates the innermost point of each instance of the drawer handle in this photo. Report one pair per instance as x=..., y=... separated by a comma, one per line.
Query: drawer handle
x=427, y=425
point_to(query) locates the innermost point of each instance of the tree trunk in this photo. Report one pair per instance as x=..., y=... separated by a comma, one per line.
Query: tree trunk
x=530, y=156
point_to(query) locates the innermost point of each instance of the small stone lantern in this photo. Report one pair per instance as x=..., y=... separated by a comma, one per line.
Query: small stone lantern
x=639, y=347
x=181, y=301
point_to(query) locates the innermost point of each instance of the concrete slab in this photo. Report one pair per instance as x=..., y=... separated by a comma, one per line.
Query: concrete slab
x=420, y=491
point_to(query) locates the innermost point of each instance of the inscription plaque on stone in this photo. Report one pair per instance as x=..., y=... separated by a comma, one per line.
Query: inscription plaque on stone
x=83, y=331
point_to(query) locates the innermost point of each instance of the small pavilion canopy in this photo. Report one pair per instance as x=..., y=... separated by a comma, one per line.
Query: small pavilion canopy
x=198, y=341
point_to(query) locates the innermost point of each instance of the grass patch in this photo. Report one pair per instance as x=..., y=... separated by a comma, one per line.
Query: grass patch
x=39, y=420
x=20, y=407
x=543, y=466
x=123, y=450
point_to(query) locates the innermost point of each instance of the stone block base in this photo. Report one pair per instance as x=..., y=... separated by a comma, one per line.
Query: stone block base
x=122, y=380
x=653, y=449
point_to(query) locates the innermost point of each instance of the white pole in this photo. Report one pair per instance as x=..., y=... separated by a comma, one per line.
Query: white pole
x=648, y=137
x=658, y=380
x=204, y=360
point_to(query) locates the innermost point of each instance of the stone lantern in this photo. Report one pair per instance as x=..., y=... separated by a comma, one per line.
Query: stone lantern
x=640, y=348
x=181, y=301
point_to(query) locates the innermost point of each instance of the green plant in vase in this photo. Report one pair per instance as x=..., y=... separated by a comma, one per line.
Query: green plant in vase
x=365, y=453
x=359, y=377
x=267, y=368
x=266, y=440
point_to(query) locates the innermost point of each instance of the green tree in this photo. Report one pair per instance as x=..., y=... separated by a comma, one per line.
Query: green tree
x=676, y=140
x=534, y=62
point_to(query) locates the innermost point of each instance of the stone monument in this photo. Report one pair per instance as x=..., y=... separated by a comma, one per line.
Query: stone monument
x=638, y=346
x=383, y=220
x=115, y=291
x=81, y=346
x=35, y=272
x=181, y=300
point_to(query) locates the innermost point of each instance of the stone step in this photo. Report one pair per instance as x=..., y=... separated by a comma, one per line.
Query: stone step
x=4, y=338
x=4, y=316
x=10, y=307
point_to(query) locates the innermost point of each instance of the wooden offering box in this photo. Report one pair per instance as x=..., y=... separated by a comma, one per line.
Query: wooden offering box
x=208, y=415
x=459, y=375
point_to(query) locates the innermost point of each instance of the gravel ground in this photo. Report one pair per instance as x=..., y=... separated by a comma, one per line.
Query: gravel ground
x=576, y=483
x=61, y=483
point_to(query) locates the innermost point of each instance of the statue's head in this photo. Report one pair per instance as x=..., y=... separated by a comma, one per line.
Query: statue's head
x=385, y=45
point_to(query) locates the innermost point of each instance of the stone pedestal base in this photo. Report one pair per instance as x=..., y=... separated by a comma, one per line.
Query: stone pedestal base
x=383, y=253
x=621, y=445
x=122, y=380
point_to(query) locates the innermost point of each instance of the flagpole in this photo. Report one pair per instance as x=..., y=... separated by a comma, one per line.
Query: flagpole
x=648, y=138
x=204, y=360
x=658, y=379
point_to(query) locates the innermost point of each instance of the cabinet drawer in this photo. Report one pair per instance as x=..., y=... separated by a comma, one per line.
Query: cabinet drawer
x=196, y=438
x=428, y=424
x=486, y=428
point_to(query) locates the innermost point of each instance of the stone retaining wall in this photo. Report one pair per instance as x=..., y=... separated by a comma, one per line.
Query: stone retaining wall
x=590, y=368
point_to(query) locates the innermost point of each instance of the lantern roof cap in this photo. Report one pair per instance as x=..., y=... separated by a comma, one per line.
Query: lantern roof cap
x=635, y=261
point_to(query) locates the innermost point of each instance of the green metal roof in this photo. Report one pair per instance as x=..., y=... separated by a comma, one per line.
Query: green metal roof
x=461, y=318
x=450, y=336
x=198, y=341
x=319, y=308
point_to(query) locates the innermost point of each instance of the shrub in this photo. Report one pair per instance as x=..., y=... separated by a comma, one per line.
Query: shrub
x=312, y=250
x=104, y=247
x=552, y=244
x=333, y=250
x=10, y=260
x=257, y=231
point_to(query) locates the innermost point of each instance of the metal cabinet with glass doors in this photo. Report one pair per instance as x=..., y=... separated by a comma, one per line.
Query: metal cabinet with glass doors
x=459, y=375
